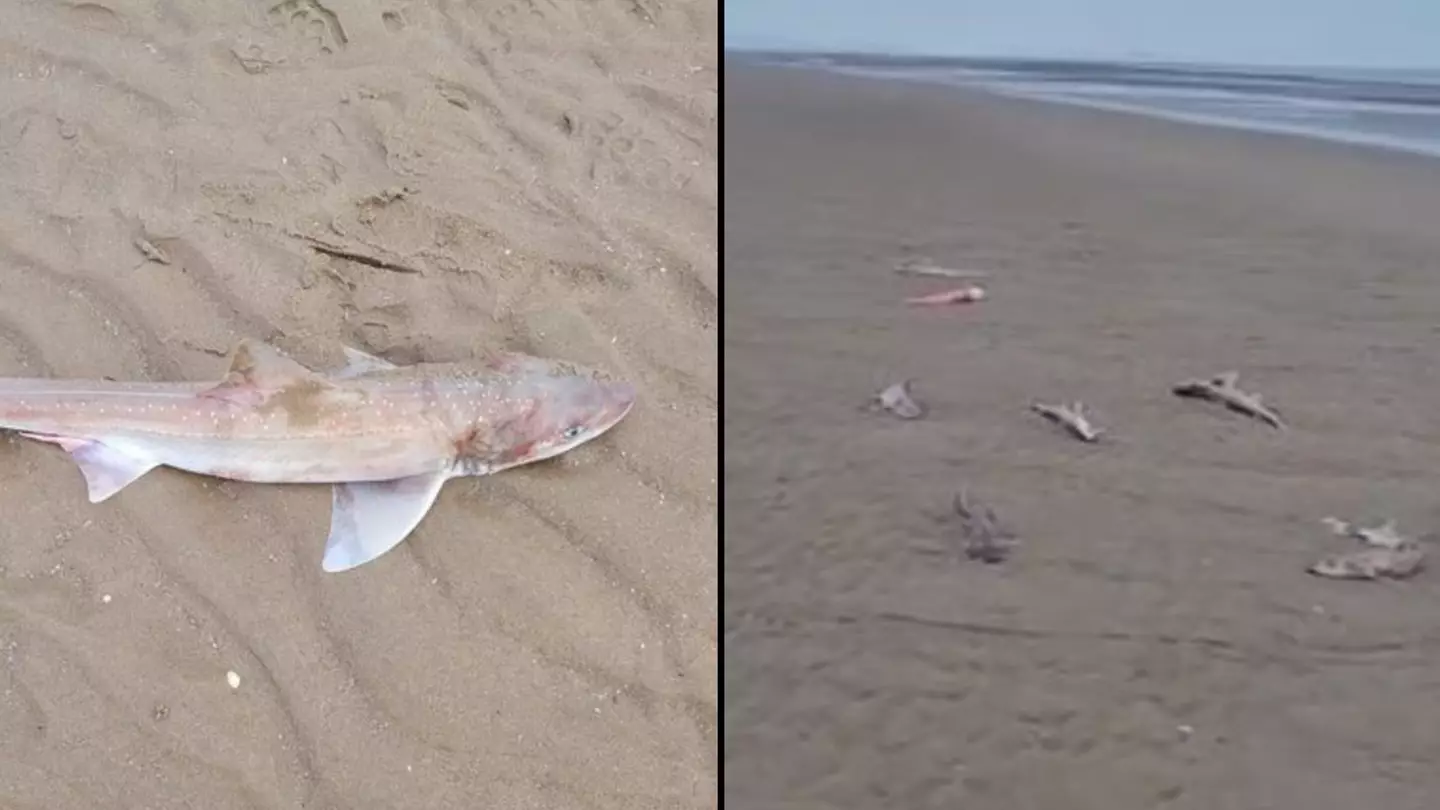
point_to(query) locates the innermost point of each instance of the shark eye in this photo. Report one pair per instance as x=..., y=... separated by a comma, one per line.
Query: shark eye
x=573, y=432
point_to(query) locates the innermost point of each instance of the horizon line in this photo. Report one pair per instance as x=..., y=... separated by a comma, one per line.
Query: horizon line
x=816, y=50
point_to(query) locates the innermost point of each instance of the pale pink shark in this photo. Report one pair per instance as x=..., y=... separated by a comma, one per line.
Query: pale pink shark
x=387, y=436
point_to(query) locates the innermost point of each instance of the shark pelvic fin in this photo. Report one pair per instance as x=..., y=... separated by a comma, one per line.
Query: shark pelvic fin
x=106, y=469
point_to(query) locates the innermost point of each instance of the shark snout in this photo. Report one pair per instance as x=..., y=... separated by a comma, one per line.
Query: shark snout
x=619, y=398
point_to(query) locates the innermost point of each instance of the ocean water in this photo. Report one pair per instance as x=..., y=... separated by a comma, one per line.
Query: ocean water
x=1393, y=109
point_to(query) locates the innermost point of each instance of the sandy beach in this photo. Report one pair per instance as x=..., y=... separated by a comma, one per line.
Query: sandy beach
x=422, y=181
x=1154, y=640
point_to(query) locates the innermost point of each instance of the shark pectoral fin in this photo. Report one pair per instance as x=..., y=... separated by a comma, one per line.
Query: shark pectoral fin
x=358, y=362
x=106, y=470
x=371, y=517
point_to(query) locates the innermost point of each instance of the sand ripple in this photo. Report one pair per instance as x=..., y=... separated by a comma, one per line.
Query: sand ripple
x=538, y=176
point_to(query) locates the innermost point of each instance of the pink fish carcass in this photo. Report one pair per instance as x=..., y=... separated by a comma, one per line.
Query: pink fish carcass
x=387, y=437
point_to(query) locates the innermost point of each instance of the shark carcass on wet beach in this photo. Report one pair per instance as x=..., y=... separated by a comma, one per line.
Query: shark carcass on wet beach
x=387, y=437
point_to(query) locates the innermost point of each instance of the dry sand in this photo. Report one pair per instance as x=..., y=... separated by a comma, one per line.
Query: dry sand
x=538, y=176
x=1155, y=640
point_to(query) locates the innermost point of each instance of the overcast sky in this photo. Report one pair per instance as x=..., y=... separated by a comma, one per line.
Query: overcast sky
x=1393, y=33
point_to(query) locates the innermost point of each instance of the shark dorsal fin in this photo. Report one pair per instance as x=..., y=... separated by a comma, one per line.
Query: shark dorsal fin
x=263, y=365
x=257, y=370
x=499, y=359
x=358, y=362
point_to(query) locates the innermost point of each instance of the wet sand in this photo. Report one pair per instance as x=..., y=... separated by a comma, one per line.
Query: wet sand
x=421, y=181
x=1154, y=641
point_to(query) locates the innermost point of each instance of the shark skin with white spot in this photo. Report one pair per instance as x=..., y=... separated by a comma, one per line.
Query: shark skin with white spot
x=386, y=436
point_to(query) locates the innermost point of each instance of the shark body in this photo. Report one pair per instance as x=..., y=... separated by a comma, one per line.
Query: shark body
x=387, y=437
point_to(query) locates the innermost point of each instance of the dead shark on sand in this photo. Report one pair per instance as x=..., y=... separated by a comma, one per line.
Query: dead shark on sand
x=387, y=437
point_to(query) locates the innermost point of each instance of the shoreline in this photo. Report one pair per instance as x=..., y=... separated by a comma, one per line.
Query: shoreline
x=996, y=87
